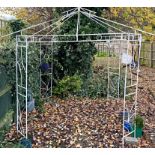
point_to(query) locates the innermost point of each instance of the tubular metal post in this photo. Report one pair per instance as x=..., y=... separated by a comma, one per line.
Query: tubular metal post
x=125, y=84
x=40, y=69
x=17, y=83
x=78, y=24
x=119, y=71
x=108, y=91
x=26, y=84
x=52, y=72
x=138, y=70
x=131, y=82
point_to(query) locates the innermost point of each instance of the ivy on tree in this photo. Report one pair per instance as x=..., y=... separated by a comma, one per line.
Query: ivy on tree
x=15, y=26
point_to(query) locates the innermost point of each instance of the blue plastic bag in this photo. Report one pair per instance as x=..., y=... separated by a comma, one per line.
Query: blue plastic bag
x=26, y=143
x=127, y=126
x=44, y=67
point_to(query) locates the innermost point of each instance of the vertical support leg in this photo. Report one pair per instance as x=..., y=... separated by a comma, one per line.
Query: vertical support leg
x=137, y=78
x=40, y=70
x=124, y=102
x=119, y=71
x=52, y=69
x=17, y=100
x=26, y=71
x=108, y=91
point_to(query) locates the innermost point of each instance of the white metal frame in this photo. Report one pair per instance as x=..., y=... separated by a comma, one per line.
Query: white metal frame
x=23, y=41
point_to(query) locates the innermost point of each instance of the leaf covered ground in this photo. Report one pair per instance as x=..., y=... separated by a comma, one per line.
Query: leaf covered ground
x=84, y=122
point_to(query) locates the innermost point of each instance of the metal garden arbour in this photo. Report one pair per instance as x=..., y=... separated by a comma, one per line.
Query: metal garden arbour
x=23, y=42
x=118, y=43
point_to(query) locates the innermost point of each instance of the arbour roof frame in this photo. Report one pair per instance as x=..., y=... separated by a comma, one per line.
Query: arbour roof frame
x=118, y=35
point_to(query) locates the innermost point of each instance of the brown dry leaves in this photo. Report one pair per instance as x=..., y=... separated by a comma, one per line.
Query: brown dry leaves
x=84, y=122
x=78, y=123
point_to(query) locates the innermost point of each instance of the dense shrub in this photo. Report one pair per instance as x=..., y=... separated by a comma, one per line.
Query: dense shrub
x=97, y=86
x=68, y=85
x=39, y=103
x=139, y=121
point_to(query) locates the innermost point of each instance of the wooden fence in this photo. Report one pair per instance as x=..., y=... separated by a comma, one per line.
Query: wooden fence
x=147, y=57
x=4, y=29
x=3, y=25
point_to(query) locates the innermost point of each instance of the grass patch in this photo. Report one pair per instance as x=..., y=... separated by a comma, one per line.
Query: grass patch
x=7, y=119
x=102, y=54
x=5, y=125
